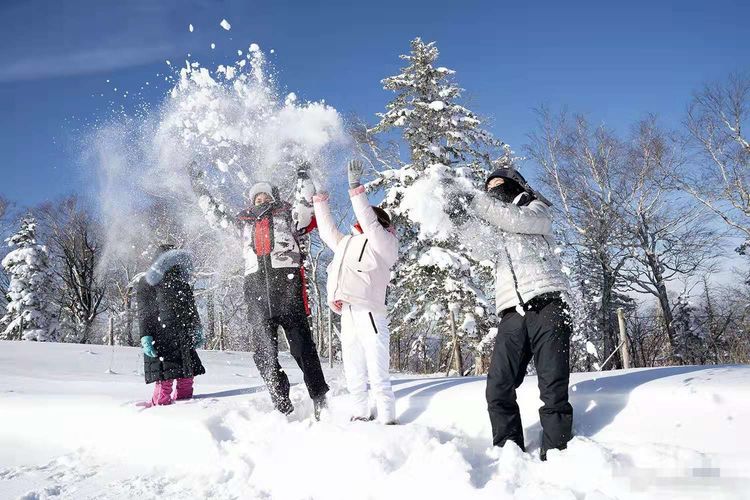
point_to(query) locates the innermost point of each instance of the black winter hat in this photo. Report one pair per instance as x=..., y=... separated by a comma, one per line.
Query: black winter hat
x=383, y=217
x=511, y=174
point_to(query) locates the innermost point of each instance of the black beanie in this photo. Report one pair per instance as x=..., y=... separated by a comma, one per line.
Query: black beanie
x=383, y=217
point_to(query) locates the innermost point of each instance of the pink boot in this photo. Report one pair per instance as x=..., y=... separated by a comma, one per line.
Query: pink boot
x=184, y=388
x=162, y=392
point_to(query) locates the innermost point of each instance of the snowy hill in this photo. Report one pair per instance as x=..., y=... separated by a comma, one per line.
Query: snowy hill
x=70, y=428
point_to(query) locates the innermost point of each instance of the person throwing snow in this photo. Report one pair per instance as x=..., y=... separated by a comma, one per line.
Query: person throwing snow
x=530, y=298
x=357, y=281
x=275, y=292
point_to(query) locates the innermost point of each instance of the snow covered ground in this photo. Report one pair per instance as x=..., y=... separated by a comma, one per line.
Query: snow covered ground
x=70, y=428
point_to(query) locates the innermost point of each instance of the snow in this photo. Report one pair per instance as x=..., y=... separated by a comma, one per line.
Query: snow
x=437, y=105
x=424, y=201
x=225, y=24
x=591, y=349
x=71, y=429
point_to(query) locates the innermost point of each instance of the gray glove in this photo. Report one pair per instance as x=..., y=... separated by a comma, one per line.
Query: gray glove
x=303, y=170
x=355, y=169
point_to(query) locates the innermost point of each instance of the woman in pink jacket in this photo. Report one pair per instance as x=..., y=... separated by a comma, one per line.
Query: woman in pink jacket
x=357, y=281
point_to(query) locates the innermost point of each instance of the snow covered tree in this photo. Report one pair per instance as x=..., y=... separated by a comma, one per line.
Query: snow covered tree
x=690, y=336
x=29, y=314
x=439, y=287
x=585, y=170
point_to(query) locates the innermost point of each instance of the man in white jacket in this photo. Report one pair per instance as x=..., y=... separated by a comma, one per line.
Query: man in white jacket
x=357, y=280
x=530, y=292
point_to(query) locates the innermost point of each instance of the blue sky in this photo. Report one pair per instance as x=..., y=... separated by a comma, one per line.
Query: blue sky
x=615, y=61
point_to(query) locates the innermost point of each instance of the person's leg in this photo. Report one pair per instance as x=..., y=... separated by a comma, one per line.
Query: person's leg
x=375, y=338
x=355, y=366
x=184, y=388
x=302, y=349
x=507, y=369
x=549, y=332
x=162, y=392
x=266, y=357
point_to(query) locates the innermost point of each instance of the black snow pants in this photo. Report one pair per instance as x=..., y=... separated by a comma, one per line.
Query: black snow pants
x=544, y=334
x=302, y=348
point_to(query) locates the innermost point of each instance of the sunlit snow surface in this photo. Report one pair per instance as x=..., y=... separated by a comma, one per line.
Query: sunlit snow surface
x=72, y=429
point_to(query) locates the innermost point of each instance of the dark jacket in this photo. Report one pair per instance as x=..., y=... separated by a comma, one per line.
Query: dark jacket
x=274, y=273
x=167, y=312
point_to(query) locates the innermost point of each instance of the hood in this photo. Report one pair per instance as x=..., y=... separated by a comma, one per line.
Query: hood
x=168, y=260
x=513, y=175
x=262, y=187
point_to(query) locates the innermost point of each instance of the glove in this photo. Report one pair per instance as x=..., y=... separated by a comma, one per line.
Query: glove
x=303, y=170
x=199, y=340
x=147, y=343
x=354, y=170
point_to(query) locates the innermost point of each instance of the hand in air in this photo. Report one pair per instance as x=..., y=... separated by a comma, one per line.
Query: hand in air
x=354, y=171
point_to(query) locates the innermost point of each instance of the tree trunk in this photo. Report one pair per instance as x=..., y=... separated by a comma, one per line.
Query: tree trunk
x=129, y=317
x=608, y=335
x=458, y=359
x=210, y=317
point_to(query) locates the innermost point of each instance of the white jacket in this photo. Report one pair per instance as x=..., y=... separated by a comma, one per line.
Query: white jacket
x=276, y=228
x=526, y=265
x=361, y=268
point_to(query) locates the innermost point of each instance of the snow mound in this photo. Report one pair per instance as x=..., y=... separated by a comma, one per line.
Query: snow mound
x=73, y=430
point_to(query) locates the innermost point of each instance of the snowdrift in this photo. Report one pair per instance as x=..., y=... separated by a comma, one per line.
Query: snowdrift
x=70, y=427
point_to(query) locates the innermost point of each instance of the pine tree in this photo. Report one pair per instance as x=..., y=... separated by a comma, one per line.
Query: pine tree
x=690, y=335
x=29, y=315
x=439, y=286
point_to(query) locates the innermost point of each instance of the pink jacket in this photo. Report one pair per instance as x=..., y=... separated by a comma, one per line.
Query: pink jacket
x=361, y=268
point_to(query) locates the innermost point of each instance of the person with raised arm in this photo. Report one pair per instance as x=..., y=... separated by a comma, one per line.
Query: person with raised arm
x=357, y=280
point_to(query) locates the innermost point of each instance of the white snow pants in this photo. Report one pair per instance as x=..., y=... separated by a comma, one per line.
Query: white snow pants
x=365, y=340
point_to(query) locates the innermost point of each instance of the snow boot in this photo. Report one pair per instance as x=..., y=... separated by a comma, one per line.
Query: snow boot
x=319, y=404
x=285, y=406
x=162, y=393
x=184, y=388
x=543, y=449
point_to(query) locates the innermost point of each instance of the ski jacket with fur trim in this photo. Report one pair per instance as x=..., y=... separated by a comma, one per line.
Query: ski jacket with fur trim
x=526, y=264
x=361, y=268
x=167, y=313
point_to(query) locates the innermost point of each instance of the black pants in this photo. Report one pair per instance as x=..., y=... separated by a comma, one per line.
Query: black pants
x=302, y=347
x=544, y=334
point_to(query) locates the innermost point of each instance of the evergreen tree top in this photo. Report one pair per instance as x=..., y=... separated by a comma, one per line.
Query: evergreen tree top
x=439, y=130
x=26, y=235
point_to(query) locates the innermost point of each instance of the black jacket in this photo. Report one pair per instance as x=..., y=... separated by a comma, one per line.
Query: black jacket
x=274, y=274
x=167, y=312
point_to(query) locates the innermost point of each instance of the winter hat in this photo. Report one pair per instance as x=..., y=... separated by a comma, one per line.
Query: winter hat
x=383, y=217
x=262, y=187
x=168, y=260
x=511, y=174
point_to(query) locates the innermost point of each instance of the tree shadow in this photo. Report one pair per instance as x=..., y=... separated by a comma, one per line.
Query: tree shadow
x=419, y=395
x=597, y=402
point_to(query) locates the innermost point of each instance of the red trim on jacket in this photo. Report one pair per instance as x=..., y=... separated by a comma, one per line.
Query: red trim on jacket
x=305, y=299
x=313, y=224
